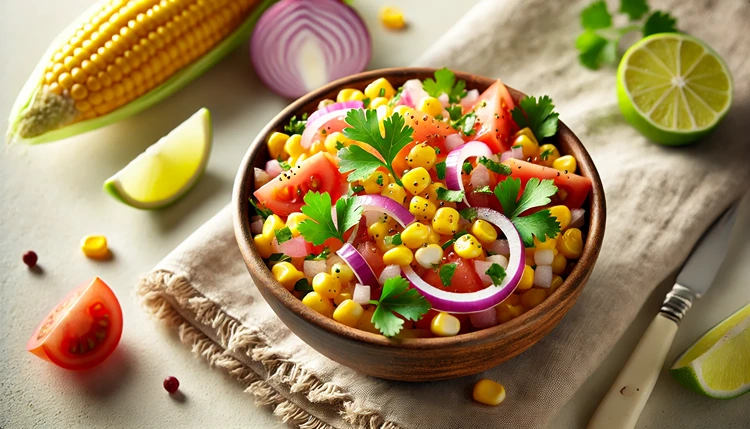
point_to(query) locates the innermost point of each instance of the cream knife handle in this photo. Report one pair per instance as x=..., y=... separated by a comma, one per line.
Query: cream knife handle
x=626, y=398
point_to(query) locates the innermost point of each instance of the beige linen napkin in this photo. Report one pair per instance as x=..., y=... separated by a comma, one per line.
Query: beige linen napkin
x=660, y=200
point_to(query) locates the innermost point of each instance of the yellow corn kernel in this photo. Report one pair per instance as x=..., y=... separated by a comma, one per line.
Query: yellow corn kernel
x=298, y=160
x=379, y=88
x=430, y=105
x=445, y=325
x=325, y=102
x=348, y=313
x=375, y=182
x=431, y=192
x=562, y=214
x=287, y=274
x=434, y=237
x=264, y=246
x=395, y=192
x=343, y=272
x=270, y=226
x=343, y=296
x=293, y=147
x=559, y=263
x=548, y=243
x=416, y=180
x=468, y=247
x=488, y=392
x=378, y=102
x=556, y=282
x=415, y=235
x=565, y=163
x=402, y=110
x=399, y=255
x=421, y=155
x=95, y=246
x=527, y=278
x=548, y=153
x=530, y=251
x=316, y=147
x=526, y=132
x=484, y=231
x=429, y=255
x=326, y=285
x=378, y=230
x=422, y=208
x=350, y=94
x=365, y=322
x=392, y=18
x=530, y=147
x=293, y=221
x=445, y=221
x=533, y=297
x=570, y=243
x=333, y=140
x=318, y=303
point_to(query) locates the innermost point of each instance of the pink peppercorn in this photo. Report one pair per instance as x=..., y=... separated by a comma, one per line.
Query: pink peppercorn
x=30, y=258
x=171, y=384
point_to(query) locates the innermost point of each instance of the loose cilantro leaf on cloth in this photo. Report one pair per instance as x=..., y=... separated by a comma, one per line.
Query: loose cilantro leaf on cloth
x=596, y=16
x=635, y=9
x=259, y=210
x=537, y=115
x=540, y=224
x=321, y=226
x=445, y=82
x=494, y=166
x=535, y=194
x=440, y=170
x=296, y=126
x=364, y=127
x=397, y=298
x=451, y=196
x=659, y=22
x=465, y=123
x=446, y=273
x=322, y=256
x=496, y=273
x=283, y=234
x=595, y=50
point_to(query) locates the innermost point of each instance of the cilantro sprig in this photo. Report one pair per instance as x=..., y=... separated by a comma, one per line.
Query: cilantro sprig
x=537, y=115
x=364, y=127
x=465, y=123
x=445, y=83
x=259, y=209
x=450, y=196
x=321, y=225
x=598, y=43
x=296, y=126
x=397, y=298
x=446, y=273
x=536, y=194
x=496, y=273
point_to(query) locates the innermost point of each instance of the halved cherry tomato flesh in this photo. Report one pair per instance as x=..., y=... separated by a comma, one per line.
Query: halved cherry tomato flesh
x=494, y=121
x=82, y=330
x=572, y=189
x=465, y=278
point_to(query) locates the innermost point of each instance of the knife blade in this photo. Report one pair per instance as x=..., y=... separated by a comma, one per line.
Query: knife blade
x=624, y=401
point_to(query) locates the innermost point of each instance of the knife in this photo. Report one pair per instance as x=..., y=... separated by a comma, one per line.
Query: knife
x=624, y=401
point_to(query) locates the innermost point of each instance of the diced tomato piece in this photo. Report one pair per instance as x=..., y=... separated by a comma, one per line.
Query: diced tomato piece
x=426, y=129
x=465, y=278
x=285, y=193
x=494, y=122
x=572, y=188
x=372, y=255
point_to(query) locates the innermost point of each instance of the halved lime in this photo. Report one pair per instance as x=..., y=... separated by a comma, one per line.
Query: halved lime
x=718, y=364
x=168, y=168
x=673, y=88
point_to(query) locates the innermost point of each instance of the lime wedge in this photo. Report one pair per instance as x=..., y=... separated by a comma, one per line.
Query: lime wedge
x=168, y=168
x=673, y=88
x=718, y=364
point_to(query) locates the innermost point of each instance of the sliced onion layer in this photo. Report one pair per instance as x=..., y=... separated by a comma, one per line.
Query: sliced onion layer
x=488, y=297
x=455, y=161
x=386, y=205
x=321, y=117
x=359, y=265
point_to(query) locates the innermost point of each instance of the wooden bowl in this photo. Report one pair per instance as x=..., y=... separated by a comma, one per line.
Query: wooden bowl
x=425, y=358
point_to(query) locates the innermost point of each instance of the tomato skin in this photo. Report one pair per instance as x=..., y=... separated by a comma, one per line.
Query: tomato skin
x=319, y=166
x=90, y=318
x=577, y=187
x=465, y=278
x=495, y=124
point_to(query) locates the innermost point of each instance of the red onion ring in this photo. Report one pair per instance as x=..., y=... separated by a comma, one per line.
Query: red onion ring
x=317, y=121
x=388, y=206
x=455, y=161
x=359, y=265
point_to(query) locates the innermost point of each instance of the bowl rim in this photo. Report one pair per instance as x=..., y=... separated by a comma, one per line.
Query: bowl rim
x=567, y=290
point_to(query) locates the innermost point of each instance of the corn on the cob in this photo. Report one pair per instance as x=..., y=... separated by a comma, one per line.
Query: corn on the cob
x=120, y=51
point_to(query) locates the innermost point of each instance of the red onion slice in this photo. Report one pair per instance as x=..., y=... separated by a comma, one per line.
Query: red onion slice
x=359, y=265
x=315, y=123
x=488, y=297
x=455, y=161
x=386, y=205
x=300, y=45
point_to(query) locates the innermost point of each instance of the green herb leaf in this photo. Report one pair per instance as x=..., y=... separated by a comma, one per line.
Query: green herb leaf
x=382, y=92
x=379, y=180
x=456, y=236
x=275, y=258
x=303, y=285
x=535, y=194
x=465, y=123
x=496, y=273
x=446, y=273
x=339, y=145
x=366, y=103
x=483, y=190
x=393, y=239
x=494, y=166
x=359, y=162
x=445, y=82
x=296, y=126
x=467, y=167
x=595, y=50
x=440, y=170
x=451, y=196
x=660, y=22
x=468, y=213
x=397, y=298
x=320, y=227
x=596, y=16
x=396, y=97
x=540, y=225
x=260, y=211
x=322, y=256
x=283, y=234
x=357, y=188
x=455, y=112
x=537, y=115
x=348, y=214
x=635, y=9
x=285, y=166
x=545, y=154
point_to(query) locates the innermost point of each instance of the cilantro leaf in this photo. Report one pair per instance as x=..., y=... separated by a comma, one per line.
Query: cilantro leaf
x=396, y=97
x=596, y=16
x=595, y=50
x=321, y=226
x=496, y=273
x=359, y=162
x=540, y=224
x=545, y=154
x=322, y=256
x=275, y=258
x=397, y=298
x=535, y=194
x=283, y=234
x=451, y=196
x=467, y=167
x=284, y=166
x=537, y=115
x=454, y=111
x=303, y=285
x=393, y=239
x=348, y=214
x=440, y=170
x=296, y=126
x=465, y=123
x=635, y=9
x=494, y=166
x=446, y=273
x=260, y=211
x=483, y=190
x=659, y=22
x=445, y=82
x=468, y=213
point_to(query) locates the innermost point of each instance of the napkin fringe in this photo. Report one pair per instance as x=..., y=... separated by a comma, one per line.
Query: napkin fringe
x=167, y=296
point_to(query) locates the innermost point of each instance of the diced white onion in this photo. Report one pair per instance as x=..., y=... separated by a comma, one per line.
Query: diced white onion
x=499, y=247
x=470, y=98
x=372, y=216
x=481, y=268
x=484, y=319
x=543, y=276
x=453, y=141
x=361, y=294
x=499, y=260
x=261, y=177
x=256, y=226
x=516, y=152
x=444, y=99
x=544, y=256
x=389, y=272
x=311, y=268
x=480, y=176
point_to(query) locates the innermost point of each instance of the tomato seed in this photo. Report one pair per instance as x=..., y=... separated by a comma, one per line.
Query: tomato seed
x=171, y=384
x=30, y=258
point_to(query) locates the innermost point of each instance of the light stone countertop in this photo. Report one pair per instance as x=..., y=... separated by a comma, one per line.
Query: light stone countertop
x=51, y=196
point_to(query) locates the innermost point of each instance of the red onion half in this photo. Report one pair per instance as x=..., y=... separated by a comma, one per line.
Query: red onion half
x=455, y=161
x=300, y=45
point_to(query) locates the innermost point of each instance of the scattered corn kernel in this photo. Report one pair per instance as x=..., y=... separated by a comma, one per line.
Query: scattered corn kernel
x=343, y=296
x=570, y=243
x=468, y=247
x=484, y=231
x=348, y=313
x=379, y=88
x=402, y=110
x=548, y=153
x=333, y=140
x=392, y=18
x=375, y=182
x=287, y=274
x=416, y=180
x=293, y=145
x=276, y=145
x=446, y=220
x=429, y=255
x=488, y=392
x=316, y=147
x=293, y=221
x=445, y=325
x=326, y=285
x=422, y=208
x=421, y=155
x=395, y=192
x=379, y=102
x=264, y=246
x=431, y=192
x=270, y=226
x=434, y=237
x=556, y=282
x=378, y=230
x=365, y=322
x=350, y=94
x=399, y=255
x=527, y=278
x=318, y=303
x=415, y=235
x=548, y=243
x=343, y=272
x=562, y=215
x=559, y=263
x=430, y=105
x=529, y=147
x=565, y=163
x=95, y=246
x=526, y=132
x=533, y=297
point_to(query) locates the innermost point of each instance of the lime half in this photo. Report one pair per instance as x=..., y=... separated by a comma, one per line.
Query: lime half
x=168, y=168
x=718, y=364
x=673, y=88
